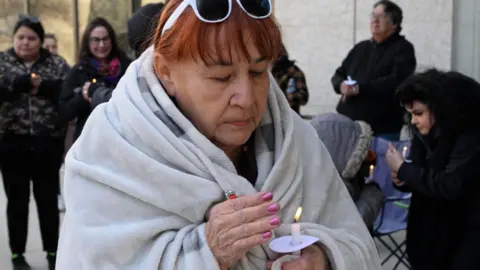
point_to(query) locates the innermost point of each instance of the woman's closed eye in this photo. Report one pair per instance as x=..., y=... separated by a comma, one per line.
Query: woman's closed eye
x=222, y=79
x=255, y=73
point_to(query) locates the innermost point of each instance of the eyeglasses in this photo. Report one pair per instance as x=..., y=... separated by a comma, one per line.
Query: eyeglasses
x=216, y=11
x=26, y=18
x=97, y=40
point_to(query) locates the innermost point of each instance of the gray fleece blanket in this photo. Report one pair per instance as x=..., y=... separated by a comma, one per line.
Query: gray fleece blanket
x=140, y=180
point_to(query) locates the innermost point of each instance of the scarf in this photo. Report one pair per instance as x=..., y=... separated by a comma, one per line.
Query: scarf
x=141, y=179
x=110, y=71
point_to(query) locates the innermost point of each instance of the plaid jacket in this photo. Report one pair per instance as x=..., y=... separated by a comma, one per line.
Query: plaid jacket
x=25, y=113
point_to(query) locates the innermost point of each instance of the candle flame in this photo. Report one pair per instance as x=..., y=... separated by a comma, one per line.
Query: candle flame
x=34, y=75
x=298, y=214
x=372, y=168
x=94, y=80
x=405, y=148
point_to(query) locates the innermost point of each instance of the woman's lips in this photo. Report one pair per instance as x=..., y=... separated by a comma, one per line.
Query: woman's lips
x=243, y=123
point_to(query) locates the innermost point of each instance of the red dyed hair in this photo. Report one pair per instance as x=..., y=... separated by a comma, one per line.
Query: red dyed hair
x=190, y=38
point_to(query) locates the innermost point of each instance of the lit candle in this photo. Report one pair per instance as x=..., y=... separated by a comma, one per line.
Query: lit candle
x=372, y=168
x=33, y=75
x=296, y=236
x=404, y=152
x=94, y=80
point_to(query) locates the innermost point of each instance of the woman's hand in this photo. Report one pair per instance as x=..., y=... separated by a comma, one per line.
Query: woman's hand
x=393, y=158
x=348, y=90
x=85, y=91
x=235, y=226
x=395, y=180
x=312, y=258
x=35, y=81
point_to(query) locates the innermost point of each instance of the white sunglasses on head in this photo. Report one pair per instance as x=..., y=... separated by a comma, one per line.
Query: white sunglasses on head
x=216, y=11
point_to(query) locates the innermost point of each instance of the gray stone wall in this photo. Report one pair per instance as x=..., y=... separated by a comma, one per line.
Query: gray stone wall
x=319, y=34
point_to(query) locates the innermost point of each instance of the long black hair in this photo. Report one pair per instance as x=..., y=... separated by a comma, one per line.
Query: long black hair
x=452, y=98
x=84, y=52
x=283, y=62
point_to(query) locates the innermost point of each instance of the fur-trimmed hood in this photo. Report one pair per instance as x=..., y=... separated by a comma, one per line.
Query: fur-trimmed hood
x=347, y=141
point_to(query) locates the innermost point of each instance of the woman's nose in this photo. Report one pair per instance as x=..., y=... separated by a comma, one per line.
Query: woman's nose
x=413, y=121
x=243, y=96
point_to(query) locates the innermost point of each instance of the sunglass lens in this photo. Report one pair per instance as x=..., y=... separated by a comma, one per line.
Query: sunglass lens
x=213, y=10
x=257, y=8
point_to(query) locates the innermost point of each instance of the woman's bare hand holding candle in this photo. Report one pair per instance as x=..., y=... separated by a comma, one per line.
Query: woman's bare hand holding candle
x=35, y=80
x=235, y=226
x=85, y=88
x=312, y=258
x=393, y=158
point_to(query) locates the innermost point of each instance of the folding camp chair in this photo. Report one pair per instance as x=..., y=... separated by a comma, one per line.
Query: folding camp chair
x=393, y=216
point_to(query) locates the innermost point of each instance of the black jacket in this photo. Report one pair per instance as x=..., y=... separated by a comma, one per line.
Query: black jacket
x=378, y=68
x=22, y=111
x=73, y=105
x=444, y=217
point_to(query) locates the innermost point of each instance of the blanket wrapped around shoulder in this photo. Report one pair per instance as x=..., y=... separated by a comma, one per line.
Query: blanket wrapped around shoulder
x=140, y=180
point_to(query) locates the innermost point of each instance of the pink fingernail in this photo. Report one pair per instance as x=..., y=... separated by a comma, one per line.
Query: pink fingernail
x=267, y=235
x=267, y=197
x=274, y=221
x=273, y=208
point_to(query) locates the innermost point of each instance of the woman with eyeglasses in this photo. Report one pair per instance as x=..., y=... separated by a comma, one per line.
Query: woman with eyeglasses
x=197, y=161
x=443, y=172
x=31, y=148
x=100, y=65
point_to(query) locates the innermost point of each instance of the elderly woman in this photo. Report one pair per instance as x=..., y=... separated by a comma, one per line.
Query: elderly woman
x=443, y=174
x=31, y=149
x=196, y=117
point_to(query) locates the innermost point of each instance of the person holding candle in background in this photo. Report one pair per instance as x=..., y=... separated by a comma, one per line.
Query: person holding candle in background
x=31, y=148
x=100, y=65
x=197, y=116
x=291, y=79
x=377, y=66
x=443, y=174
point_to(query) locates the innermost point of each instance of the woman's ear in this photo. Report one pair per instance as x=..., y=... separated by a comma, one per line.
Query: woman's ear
x=164, y=74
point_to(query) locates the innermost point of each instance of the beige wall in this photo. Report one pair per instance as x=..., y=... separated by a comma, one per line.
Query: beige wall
x=466, y=38
x=319, y=34
x=57, y=18
x=9, y=10
x=144, y=2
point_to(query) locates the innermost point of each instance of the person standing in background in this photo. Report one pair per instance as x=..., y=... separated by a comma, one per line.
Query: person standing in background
x=50, y=43
x=291, y=80
x=141, y=27
x=101, y=64
x=33, y=141
x=376, y=67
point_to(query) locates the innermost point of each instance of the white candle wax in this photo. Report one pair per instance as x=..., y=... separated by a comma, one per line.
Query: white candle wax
x=296, y=236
